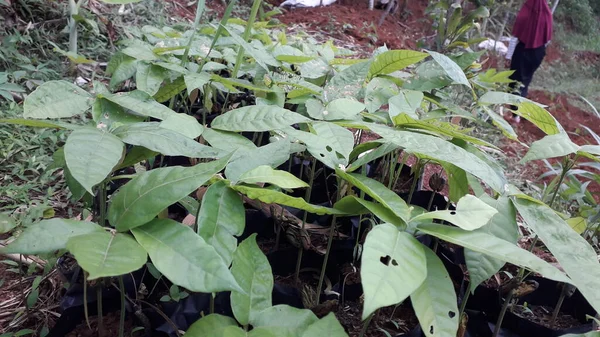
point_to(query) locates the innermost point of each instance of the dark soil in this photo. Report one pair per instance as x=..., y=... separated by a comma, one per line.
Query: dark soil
x=110, y=324
x=543, y=316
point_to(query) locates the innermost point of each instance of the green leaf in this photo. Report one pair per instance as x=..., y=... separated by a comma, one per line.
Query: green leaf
x=211, y=325
x=501, y=123
x=227, y=141
x=379, y=192
x=56, y=99
x=574, y=254
x=274, y=197
x=7, y=223
x=153, y=136
x=331, y=144
x=504, y=226
x=48, y=236
x=353, y=205
x=136, y=155
x=343, y=108
x=221, y=216
x=170, y=89
x=552, y=146
x=146, y=195
x=378, y=93
x=327, y=326
x=273, y=154
x=196, y=80
x=435, y=300
x=184, y=257
x=347, y=83
x=393, y=267
x=121, y=68
x=149, y=77
x=140, y=103
x=260, y=55
x=285, y=320
x=105, y=254
x=184, y=124
x=578, y=224
x=257, y=118
x=252, y=271
x=39, y=124
x=120, y=1
x=494, y=247
x=393, y=60
x=439, y=149
x=106, y=114
x=140, y=51
x=266, y=174
x=369, y=151
x=458, y=183
x=452, y=69
x=408, y=101
x=471, y=213
x=91, y=155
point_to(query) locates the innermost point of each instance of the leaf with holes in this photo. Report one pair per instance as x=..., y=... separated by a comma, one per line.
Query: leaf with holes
x=221, y=216
x=153, y=136
x=494, y=247
x=503, y=225
x=56, y=99
x=393, y=60
x=252, y=272
x=347, y=83
x=266, y=174
x=274, y=197
x=435, y=300
x=48, y=236
x=91, y=155
x=105, y=254
x=439, y=149
x=273, y=154
x=257, y=118
x=393, y=267
x=471, y=213
x=379, y=192
x=148, y=194
x=330, y=144
x=378, y=93
x=451, y=68
x=574, y=254
x=184, y=257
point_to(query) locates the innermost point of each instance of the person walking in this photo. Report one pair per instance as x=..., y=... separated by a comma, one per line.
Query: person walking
x=532, y=32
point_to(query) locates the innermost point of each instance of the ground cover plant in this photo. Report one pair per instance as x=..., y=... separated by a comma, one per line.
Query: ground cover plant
x=220, y=160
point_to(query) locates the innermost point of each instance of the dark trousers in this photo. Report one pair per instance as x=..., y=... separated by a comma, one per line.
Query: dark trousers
x=525, y=62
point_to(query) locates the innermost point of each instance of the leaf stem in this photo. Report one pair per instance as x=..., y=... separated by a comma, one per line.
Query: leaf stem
x=307, y=196
x=122, y=318
x=212, y=303
x=503, y=312
x=246, y=36
x=99, y=315
x=463, y=303
x=366, y=326
x=416, y=176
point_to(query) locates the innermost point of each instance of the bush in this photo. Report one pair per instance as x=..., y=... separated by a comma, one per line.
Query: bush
x=580, y=14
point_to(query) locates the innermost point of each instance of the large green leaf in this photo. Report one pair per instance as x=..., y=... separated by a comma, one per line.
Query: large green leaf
x=145, y=196
x=494, y=247
x=379, y=192
x=327, y=326
x=439, y=149
x=367, y=152
x=56, y=99
x=149, y=77
x=48, y=236
x=105, y=254
x=153, y=136
x=393, y=60
x=393, y=267
x=378, y=93
x=106, y=114
x=273, y=154
x=121, y=67
x=286, y=320
x=343, y=108
x=330, y=144
x=136, y=155
x=140, y=103
x=458, y=183
x=353, y=205
x=266, y=174
x=256, y=51
x=347, y=83
x=501, y=123
x=221, y=216
x=574, y=254
x=435, y=300
x=503, y=225
x=211, y=325
x=408, y=101
x=91, y=155
x=227, y=141
x=471, y=213
x=184, y=124
x=184, y=257
x=7, y=223
x=452, y=69
x=252, y=272
x=257, y=118
x=39, y=124
x=552, y=146
x=274, y=197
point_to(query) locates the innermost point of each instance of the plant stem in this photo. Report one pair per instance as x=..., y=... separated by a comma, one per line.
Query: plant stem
x=430, y=200
x=463, y=304
x=102, y=205
x=399, y=171
x=249, y=25
x=366, y=326
x=416, y=176
x=122, y=318
x=73, y=10
x=307, y=198
x=329, y=242
x=85, y=301
x=99, y=315
x=212, y=303
x=561, y=299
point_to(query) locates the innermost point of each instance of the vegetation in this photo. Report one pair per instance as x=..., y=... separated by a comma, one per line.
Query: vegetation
x=240, y=101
